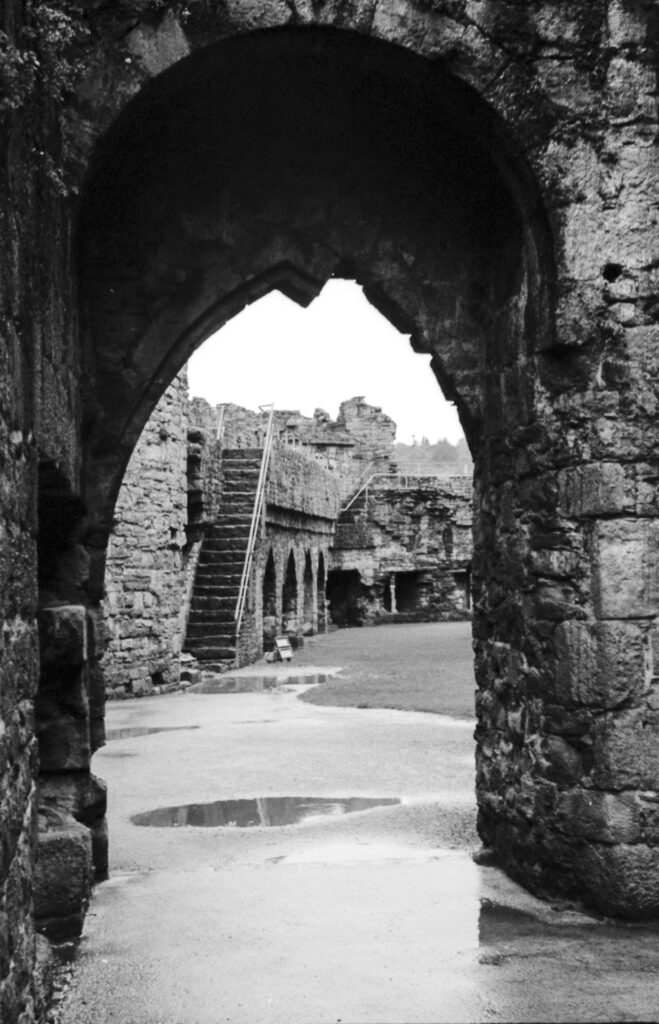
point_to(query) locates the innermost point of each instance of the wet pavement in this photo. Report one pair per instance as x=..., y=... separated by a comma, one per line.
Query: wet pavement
x=378, y=915
x=263, y=812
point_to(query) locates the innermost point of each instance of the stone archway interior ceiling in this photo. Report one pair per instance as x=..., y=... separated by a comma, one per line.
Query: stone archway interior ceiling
x=277, y=161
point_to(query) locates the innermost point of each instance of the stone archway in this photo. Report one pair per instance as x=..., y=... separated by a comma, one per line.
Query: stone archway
x=309, y=614
x=350, y=156
x=289, y=598
x=546, y=337
x=321, y=593
x=269, y=603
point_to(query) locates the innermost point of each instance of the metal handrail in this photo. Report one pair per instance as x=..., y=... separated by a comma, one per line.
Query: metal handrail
x=258, y=506
x=406, y=477
x=220, y=423
x=362, y=486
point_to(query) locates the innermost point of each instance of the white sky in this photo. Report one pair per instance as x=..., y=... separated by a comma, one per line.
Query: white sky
x=339, y=347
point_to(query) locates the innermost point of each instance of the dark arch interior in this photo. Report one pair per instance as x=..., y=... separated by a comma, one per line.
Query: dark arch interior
x=289, y=597
x=269, y=603
x=308, y=595
x=280, y=159
x=321, y=592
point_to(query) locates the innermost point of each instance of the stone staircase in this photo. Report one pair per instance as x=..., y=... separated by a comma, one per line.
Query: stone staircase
x=352, y=528
x=211, y=631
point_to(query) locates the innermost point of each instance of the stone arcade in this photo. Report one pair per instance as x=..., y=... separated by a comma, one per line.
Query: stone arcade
x=486, y=169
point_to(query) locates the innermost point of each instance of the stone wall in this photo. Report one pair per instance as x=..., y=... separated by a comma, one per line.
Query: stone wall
x=299, y=483
x=410, y=541
x=40, y=411
x=522, y=136
x=145, y=577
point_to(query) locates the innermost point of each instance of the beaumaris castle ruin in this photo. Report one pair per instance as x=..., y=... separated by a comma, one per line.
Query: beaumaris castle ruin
x=486, y=170
x=338, y=537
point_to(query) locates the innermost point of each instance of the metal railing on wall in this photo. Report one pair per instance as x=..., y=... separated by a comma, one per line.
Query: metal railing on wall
x=220, y=423
x=254, y=526
x=398, y=480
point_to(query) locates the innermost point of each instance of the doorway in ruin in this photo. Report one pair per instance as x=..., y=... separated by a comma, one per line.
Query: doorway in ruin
x=344, y=597
x=289, y=599
x=308, y=597
x=321, y=594
x=269, y=603
x=343, y=157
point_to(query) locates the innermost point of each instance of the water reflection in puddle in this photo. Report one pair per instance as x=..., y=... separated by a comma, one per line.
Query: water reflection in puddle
x=260, y=813
x=257, y=684
x=129, y=734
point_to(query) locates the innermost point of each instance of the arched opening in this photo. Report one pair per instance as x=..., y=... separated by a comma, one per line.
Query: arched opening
x=321, y=596
x=289, y=599
x=308, y=610
x=269, y=603
x=344, y=597
x=351, y=158
x=411, y=148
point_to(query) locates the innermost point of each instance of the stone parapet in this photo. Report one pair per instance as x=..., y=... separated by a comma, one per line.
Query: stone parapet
x=297, y=482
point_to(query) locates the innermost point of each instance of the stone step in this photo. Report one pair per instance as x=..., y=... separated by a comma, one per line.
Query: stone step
x=225, y=545
x=228, y=531
x=231, y=556
x=223, y=573
x=230, y=518
x=201, y=603
x=211, y=635
x=223, y=561
x=212, y=653
x=236, y=454
x=234, y=494
x=236, y=475
x=216, y=587
x=204, y=616
x=212, y=631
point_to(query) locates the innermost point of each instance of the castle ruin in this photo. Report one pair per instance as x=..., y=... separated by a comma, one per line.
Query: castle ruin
x=486, y=170
x=342, y=539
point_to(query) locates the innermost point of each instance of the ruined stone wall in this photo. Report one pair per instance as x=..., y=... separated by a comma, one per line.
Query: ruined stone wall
x=145, y=575
x=204, y=469
x=302, y=503
x=40, y=403
x=539, y=310
x=354, y=446
x=301, y=613
x=299, y=483
x=417, y=530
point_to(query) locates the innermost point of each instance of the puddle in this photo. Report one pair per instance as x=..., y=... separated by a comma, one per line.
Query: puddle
x=260, y=813
x=129, y=734
x=258, y=683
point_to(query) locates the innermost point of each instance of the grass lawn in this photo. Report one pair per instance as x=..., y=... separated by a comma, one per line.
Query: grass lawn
x=415, y=667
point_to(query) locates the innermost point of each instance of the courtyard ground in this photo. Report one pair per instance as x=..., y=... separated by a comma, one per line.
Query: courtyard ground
x=423, y=666
x=378, y=915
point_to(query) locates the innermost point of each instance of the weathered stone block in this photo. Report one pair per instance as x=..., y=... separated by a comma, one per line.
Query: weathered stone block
x=622, y=880
x=79, y=795
x=597, y=489
x=626, y=750
x=649, y=812
x=626, y=568
x=63, y=879
x=600, y=664
x=64, y=742
x=63, y=635
x=560, y=761
x=601, y=817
